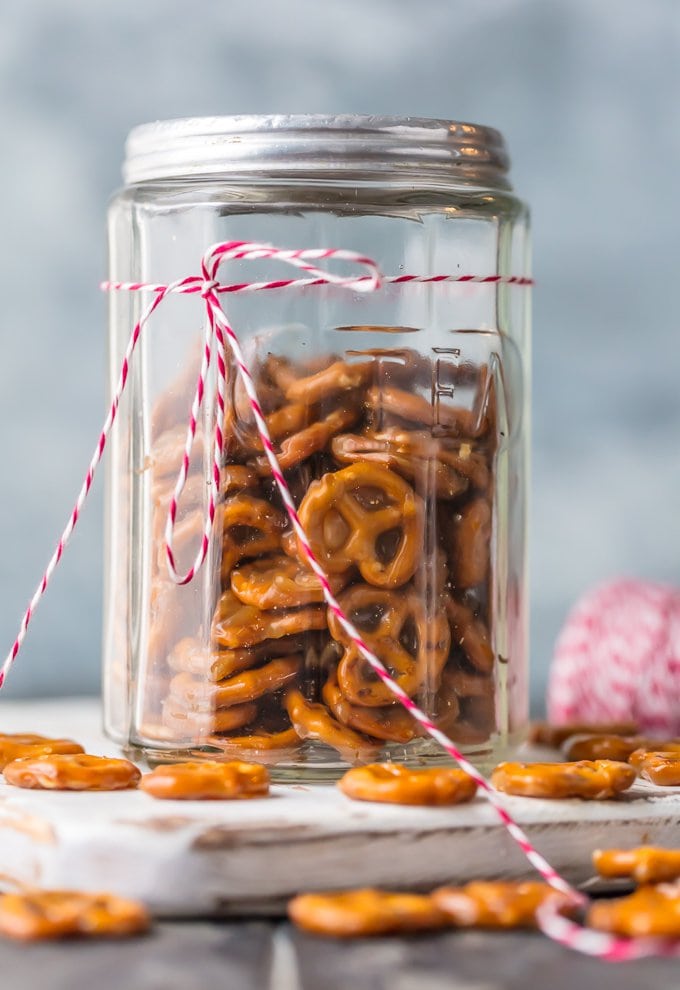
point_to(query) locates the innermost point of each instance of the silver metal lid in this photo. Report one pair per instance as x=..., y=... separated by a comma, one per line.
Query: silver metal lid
x=310, y=145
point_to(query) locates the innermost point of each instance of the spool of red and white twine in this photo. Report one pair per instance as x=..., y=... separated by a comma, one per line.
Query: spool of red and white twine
x=220, y=339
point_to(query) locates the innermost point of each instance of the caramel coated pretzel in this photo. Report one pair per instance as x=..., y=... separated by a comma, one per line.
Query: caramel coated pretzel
x=391, y=723
x=662, y=768
x=206, y=781
x=310, y=440
x=349, y=514
x=384, y=618
x=72, y=772
x=251, y=527
x=420, y=466
x=645, y=864
x=236, y=625
x=649, y=911
x=497, y=904
x=588, y=779
x=249, y=685
x=37, y=915
x=192, y=657
x=312, y=721
x=20, y=746
x=338, y=377
x=605, y=747
x=189, y=724
x=364, y=912
x=279, y=582
x=412, y=408
x=393, y=783
x=472, y=536
x=471, y=635
x=546, y=734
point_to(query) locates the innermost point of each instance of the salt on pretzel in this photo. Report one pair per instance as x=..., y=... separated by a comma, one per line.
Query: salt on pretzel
x=364, y=912
x=366, y=516
x=237, y=626
x=72, y=772
x=38, y=915
x=498, y=904
x=206, y=781
x=644, y=864
x=652, y=911
x=588, y=779
x=393, y=783
x=411, y=640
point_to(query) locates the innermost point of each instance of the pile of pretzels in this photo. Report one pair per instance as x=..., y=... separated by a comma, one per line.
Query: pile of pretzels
x=394, y=492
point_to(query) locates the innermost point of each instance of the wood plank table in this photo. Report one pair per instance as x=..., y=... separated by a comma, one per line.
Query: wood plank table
x=243, y=859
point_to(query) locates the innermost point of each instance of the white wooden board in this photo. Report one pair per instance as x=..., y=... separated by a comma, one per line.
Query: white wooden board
x=201, y=858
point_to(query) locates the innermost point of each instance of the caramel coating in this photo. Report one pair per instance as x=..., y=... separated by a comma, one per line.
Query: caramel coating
x=72, y=772
x=312, y=721
x=258, y=742
x=472, y=535
x=21, y=745
x=337, y=377
x=546, y=734
x=384, y=618
x=311, y=440
x=588, y=779
x=412, y=408
x=496, y=904
x=237, y=625
x=392, y=783
x=471, y=635
x=191, y=724
x=605, y=747
x=251, y=527
x=191, y=657
x=662, y=768
x=364, y=912
x=421, y=466
x=649, y=911
x=206, y=781
x=49, y=914
x=645, y=864
x=246, y=686
x=279, y=582
x=348, y=513
x=391, y=723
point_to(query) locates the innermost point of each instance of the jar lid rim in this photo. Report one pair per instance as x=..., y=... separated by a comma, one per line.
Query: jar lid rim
x=299, y=143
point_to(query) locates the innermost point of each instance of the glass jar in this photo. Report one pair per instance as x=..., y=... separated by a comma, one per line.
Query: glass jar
x=400, y=420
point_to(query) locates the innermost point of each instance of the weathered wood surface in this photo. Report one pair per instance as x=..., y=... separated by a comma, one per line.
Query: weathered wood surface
x=198, y=859
x=259, y=955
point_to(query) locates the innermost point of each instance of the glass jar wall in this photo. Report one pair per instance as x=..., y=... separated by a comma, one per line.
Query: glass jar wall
x=399, y=418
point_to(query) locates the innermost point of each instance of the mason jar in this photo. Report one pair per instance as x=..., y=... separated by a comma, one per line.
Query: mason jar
x=400, y=420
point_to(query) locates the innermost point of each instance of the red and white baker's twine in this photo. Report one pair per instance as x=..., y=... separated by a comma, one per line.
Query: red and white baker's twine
x=218, y=331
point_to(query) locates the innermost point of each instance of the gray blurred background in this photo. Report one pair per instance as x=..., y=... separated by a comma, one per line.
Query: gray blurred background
x=587, y=93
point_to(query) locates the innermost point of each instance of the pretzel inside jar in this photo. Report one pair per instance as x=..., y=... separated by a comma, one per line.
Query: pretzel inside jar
x=395, y=496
